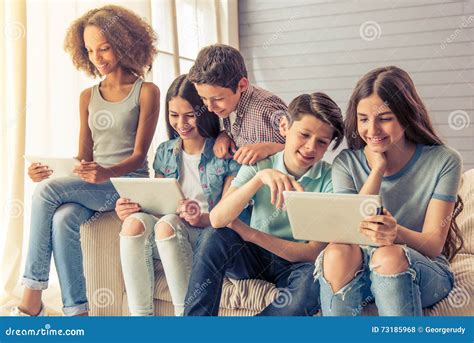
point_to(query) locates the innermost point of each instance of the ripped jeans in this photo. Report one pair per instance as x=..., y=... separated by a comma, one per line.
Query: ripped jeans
x=176, y=255
x=423, y=284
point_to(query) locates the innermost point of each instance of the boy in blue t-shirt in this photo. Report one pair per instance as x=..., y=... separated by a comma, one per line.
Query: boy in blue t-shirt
x=266, y=250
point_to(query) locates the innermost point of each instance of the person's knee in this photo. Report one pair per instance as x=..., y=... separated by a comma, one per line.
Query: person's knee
x=163, y=230
x=389, y=260
x=132, y=227
x=65, y=213
x=45, y=189
x=217, y=242
x=341, y=256
x=341, y=262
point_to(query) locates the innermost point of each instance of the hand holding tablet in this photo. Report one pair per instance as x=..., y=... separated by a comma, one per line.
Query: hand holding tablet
x=155, y=196
x=43, y=167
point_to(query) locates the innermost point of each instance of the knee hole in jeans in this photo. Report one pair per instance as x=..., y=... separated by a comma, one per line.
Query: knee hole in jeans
x=132, y=227
x=163, y=231
x=389, y=260
x=341, y=263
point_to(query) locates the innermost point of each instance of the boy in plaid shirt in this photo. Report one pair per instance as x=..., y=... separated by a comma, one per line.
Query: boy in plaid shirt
x=250, y=115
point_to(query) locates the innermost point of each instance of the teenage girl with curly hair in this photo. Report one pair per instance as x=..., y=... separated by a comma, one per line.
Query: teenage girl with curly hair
x=118, y=118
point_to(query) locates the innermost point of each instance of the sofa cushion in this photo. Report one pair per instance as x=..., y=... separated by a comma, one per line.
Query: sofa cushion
x=458, y=302
x=253, y=295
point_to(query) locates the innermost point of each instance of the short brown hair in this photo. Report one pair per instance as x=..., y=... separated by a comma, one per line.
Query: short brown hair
x=132, y=39
x=323, y=108
x=218, y=65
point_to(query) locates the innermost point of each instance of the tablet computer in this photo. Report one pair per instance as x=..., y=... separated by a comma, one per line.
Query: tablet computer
x=330, y=217
x=158, y=196
x=61, y=166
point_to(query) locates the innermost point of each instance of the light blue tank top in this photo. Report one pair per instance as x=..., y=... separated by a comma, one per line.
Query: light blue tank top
x=114, y=127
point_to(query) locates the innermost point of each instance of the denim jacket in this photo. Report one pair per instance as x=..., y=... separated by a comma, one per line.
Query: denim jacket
x=212, y=170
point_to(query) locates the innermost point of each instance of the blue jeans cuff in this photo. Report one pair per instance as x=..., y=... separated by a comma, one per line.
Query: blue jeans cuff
x=76, y=309
x=34, y=284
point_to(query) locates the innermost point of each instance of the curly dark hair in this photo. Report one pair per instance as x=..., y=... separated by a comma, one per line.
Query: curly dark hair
x=132, y=39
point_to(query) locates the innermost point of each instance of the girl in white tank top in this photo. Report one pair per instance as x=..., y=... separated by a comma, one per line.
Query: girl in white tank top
x=117, y=121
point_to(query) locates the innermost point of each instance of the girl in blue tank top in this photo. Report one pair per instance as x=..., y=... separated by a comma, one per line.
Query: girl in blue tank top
x=393, y=151
x=117, y=122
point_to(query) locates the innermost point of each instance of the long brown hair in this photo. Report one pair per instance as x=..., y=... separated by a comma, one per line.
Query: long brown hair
x=397, y=90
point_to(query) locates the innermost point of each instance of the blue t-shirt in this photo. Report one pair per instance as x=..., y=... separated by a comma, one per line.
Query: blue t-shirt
x=265, y=216
x=432, y=172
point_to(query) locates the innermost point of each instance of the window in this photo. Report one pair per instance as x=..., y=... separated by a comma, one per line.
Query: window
x=183, y=28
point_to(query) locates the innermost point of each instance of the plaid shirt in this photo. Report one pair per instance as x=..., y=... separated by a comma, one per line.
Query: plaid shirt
x=258, y=117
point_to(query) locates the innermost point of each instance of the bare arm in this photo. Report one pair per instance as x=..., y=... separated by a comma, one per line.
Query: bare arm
x=373, y=183
x=85, y=136
x=233, y=203
x=252, y=153
x=431, y=240
x=236, y=199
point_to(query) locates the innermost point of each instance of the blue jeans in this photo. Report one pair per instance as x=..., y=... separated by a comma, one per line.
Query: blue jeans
x=423, y=284
x=222, y=252
x=59, y=207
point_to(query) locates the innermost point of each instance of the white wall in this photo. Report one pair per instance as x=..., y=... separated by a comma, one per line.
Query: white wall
x=294, y=47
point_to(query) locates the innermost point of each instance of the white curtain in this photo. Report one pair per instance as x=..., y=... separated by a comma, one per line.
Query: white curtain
x=12, y=144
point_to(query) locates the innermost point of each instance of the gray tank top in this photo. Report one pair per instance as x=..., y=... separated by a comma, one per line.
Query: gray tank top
x=114, y=127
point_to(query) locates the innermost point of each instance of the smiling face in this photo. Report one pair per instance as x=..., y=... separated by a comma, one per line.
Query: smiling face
x=377, y=125
x=307, y=140
x=182, y=118
x=100, y=51
x=220, y=100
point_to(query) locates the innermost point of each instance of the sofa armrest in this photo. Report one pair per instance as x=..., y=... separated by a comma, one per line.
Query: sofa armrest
x=101, y=256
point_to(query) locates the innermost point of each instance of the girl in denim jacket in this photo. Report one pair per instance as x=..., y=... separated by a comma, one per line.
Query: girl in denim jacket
x=188, y=157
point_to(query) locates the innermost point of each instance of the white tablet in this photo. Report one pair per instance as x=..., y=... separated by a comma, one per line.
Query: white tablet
x=61, y=166
x=158, y=196
x=329, y=217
